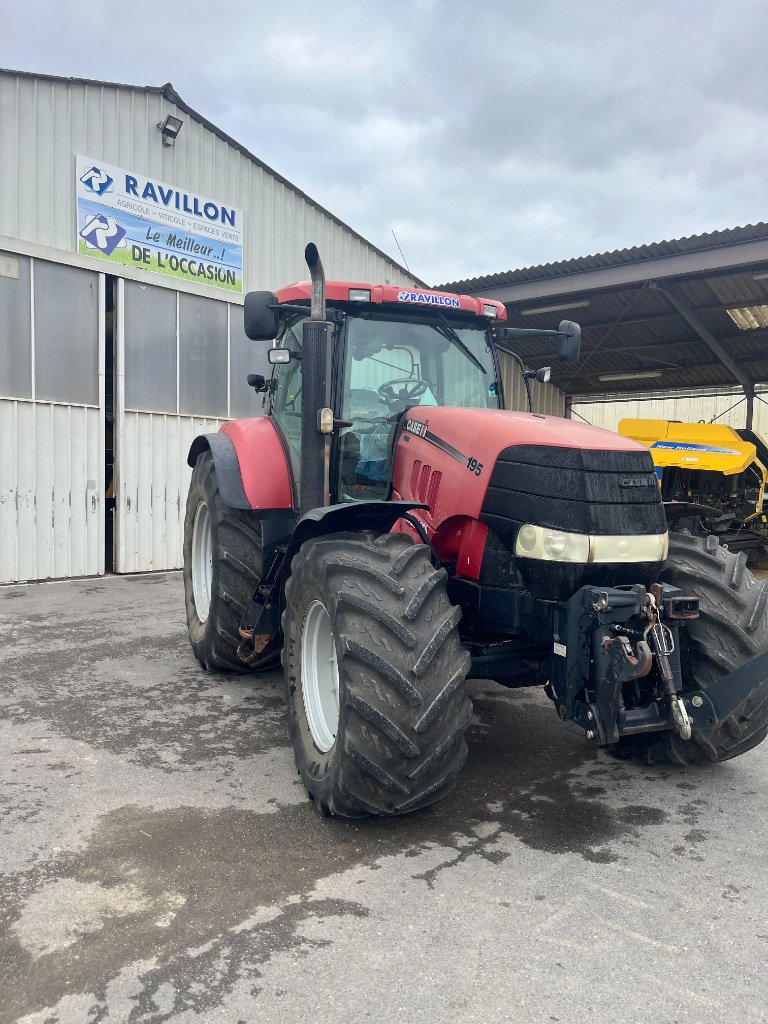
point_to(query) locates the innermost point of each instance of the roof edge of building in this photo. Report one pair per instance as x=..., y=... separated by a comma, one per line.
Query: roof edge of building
x=616, y=257
x=169, y=93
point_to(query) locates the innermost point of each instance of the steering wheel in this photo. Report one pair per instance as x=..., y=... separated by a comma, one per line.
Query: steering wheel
x=412, y=388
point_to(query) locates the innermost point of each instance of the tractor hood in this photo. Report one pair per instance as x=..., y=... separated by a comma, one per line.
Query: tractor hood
x=448, y=438
x=509, y=469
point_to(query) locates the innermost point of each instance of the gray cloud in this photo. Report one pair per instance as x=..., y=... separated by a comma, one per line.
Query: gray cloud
x=489, y=136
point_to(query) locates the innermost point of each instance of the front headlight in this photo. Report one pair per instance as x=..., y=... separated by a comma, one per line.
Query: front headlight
x=560, y=546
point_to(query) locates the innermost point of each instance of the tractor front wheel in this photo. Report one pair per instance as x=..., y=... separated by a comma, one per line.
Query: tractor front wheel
x=375, y=674
x=222, y=567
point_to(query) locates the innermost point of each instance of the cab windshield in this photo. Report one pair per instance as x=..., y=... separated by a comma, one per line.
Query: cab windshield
x=394, y=364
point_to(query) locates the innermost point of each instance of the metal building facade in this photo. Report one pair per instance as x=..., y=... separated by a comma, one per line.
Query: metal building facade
x=44, y=123
x=107, y=372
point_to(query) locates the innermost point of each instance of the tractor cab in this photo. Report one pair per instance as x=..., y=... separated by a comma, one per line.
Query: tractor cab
x=384, y=360
x=357, y=356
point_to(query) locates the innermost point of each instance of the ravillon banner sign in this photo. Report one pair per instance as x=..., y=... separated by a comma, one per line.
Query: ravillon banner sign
x=140, y=222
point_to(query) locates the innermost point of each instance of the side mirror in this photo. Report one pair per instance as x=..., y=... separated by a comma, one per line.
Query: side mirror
x=260, y=319
x=569, y=341
x=258, y=382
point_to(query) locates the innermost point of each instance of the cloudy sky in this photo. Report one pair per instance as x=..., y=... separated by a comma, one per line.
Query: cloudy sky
x=488, y=135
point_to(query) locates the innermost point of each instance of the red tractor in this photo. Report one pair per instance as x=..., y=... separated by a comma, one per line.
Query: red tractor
x=390, y=531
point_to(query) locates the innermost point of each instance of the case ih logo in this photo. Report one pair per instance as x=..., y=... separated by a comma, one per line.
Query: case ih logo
x=638, y=481
x=417, y=428
x=97, y=181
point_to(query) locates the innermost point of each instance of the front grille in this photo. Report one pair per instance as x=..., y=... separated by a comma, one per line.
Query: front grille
x=597, y=492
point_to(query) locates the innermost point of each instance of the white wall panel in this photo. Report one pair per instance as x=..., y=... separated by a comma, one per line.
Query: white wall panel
x=9, y=522
x=51, y=481
x=724, y=406
x=154, y=480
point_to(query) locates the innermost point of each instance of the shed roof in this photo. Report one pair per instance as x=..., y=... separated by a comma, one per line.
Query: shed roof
x=654, y=315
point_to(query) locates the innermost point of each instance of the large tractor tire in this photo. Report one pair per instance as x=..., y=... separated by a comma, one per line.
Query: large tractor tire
x=374, y=673
x=732, y=628
x=222, y=567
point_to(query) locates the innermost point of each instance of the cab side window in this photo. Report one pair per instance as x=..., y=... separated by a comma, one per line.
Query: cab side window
x=286, y=391
x=365, y=447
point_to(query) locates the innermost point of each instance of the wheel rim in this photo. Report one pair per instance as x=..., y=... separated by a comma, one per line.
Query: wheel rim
x=320, y=677
x=202, y=561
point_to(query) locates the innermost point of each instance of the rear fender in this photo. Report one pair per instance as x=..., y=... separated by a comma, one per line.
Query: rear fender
x=251, y=465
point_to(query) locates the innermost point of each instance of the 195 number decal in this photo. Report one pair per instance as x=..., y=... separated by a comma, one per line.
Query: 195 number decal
x=474, y=466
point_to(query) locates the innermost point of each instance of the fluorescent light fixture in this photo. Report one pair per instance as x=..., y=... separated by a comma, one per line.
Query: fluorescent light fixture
x=749, y=318
x=169, y=129
x=760, y=275
x=638, y=375
x=580, y=304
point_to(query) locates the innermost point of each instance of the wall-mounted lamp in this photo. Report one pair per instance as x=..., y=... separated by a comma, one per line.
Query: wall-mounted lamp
x=169, y=129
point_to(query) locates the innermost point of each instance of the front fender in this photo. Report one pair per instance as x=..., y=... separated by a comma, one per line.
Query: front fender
x=380, y=516
x=262, y=616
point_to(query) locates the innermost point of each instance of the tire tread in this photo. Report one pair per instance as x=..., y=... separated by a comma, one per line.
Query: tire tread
x=404, y=712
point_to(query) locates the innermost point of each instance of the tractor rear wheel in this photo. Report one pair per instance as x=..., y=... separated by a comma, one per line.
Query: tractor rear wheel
x=732, y=628
x=222, y=567
x=375, y=673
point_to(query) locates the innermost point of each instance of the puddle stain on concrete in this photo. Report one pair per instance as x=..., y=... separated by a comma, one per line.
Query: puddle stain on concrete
x=101, y=699
x=221, y=865
x=162, y=882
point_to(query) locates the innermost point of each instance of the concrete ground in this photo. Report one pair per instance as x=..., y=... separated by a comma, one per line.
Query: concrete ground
x=160, y=861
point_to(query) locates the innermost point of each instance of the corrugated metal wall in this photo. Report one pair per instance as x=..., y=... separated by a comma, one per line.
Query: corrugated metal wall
x=44, y=124
x=51, y=485
x=153, y=484
x=723, y=406
x=51, y=423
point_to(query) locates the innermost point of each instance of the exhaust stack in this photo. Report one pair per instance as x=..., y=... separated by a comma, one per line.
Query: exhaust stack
x=317, y=276
x=314, y=481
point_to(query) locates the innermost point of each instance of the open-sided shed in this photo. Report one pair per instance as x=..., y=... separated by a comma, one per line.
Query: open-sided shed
x=670, y=316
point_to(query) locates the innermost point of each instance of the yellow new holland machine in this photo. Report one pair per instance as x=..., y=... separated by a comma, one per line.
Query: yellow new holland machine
x=716, y=473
